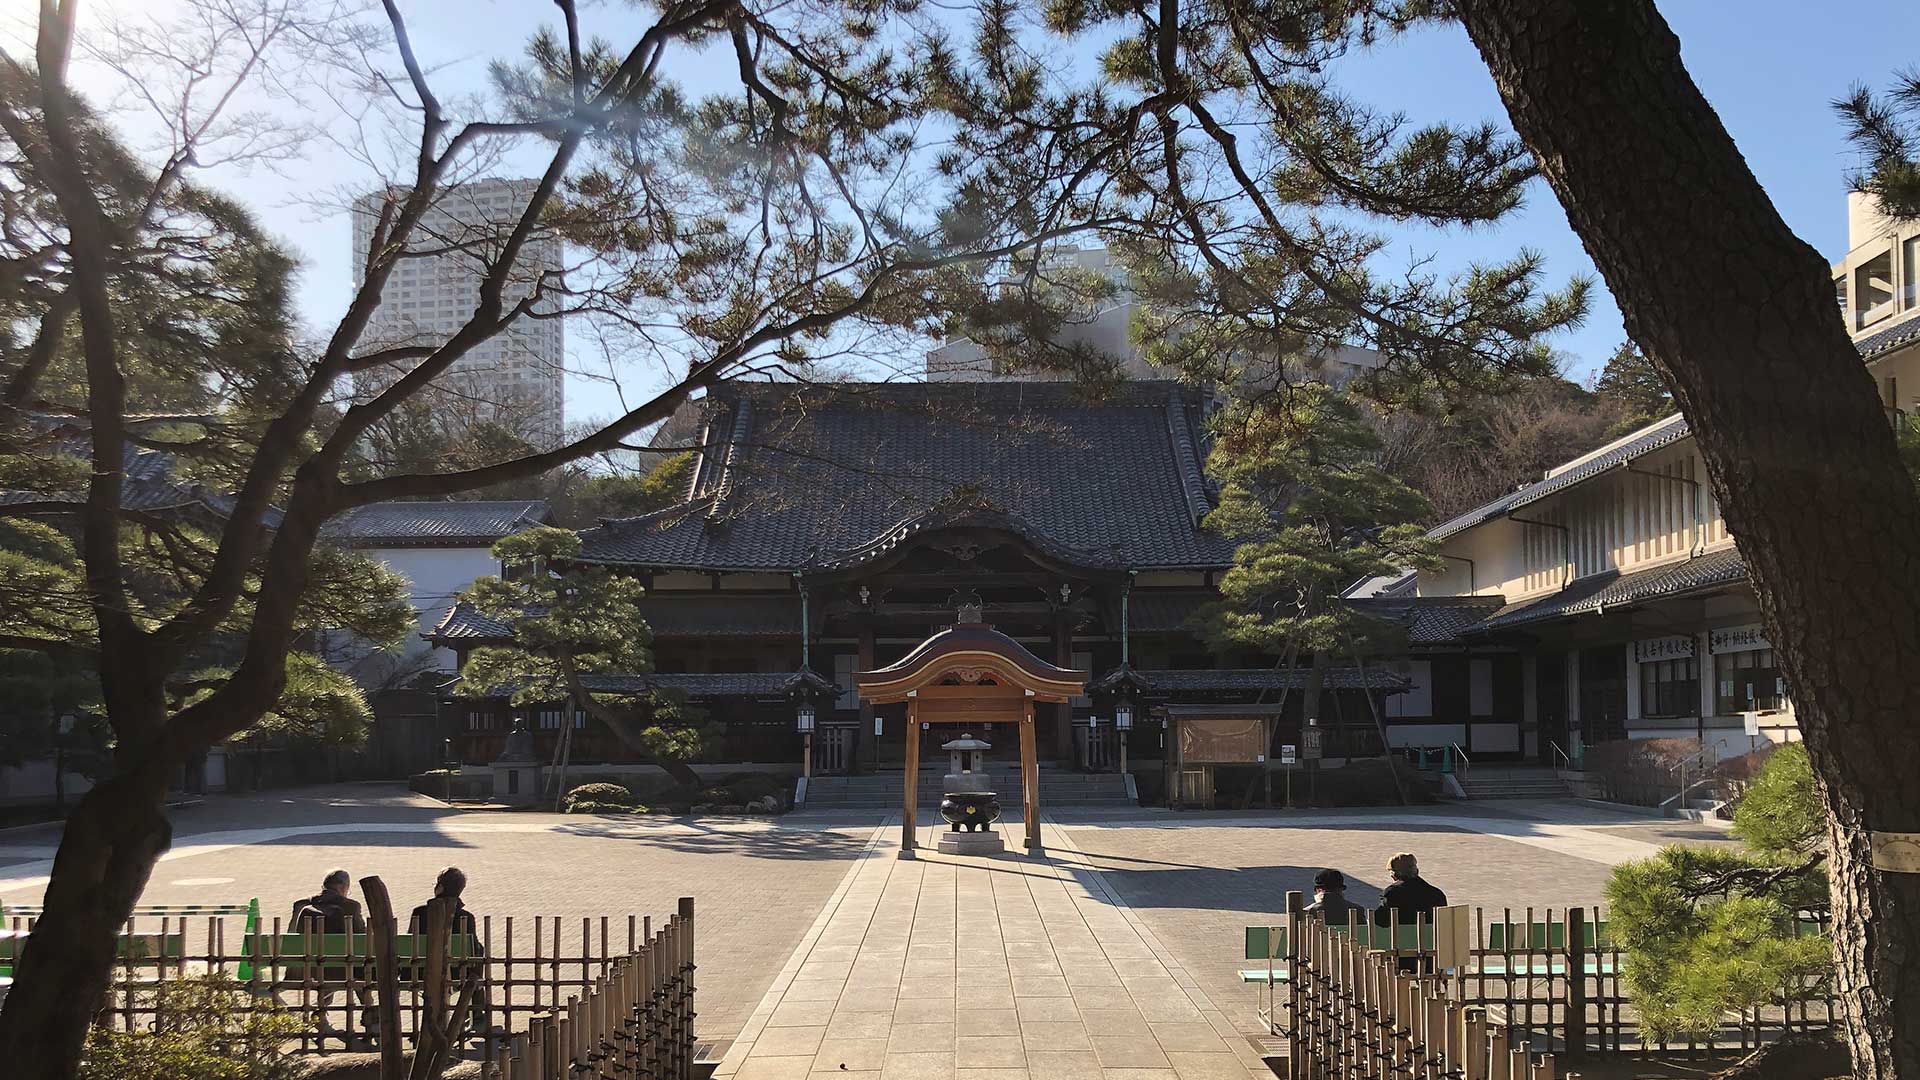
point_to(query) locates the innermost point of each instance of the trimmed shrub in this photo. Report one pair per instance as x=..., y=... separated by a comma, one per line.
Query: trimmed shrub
x=205, y=1028
x=598, y=794
x=584, y=807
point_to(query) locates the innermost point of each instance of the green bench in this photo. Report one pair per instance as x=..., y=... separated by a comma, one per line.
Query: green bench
x=324, y=958
x=1269, y=943
x=142, y=949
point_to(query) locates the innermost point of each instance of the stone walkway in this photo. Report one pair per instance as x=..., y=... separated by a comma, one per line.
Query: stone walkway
x=956, y=967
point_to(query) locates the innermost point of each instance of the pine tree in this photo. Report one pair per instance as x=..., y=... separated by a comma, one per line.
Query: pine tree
x=1631, y=384
x=1885, y=128
x=572, y=622
x=1303, y=496
x=1312, y=511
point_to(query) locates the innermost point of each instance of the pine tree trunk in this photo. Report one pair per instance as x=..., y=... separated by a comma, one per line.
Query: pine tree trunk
x=112, y=840
x=1738, y=315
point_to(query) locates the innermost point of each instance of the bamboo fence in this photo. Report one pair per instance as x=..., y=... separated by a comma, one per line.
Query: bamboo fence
x=528, y=970
x=1548, y=978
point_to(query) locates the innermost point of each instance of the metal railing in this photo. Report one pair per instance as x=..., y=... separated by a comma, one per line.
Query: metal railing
x=1562, y=755
x=1699, y=762
x=1466, y=762
x=1681, y=795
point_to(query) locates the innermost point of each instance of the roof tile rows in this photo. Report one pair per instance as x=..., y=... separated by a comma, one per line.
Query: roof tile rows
x=715, y=684
x=1339, y=678
x=1432, y=621
x=435, y=524
x=813, y=474
x=1724, y=567
x=705, y=616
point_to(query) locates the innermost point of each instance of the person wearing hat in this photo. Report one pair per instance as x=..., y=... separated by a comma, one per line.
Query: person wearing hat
x=1330, y=903
x=1410, y=894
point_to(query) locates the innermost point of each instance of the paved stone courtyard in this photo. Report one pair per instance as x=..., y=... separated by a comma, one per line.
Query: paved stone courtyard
x=1134, y=918
x=757, y=884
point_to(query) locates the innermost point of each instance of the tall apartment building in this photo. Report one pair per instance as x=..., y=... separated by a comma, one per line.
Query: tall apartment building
x=516, y=377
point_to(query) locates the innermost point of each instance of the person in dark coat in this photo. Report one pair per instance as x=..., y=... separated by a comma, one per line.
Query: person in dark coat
x=332, y=911
x=1410, y=894
x=1330, y=903
x=449, y=885
x=1414, y=898
x=331, y=908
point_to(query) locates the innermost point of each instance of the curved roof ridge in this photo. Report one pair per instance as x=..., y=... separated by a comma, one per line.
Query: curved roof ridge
x=730, y=464
x=946, y=515
x=1192, y=482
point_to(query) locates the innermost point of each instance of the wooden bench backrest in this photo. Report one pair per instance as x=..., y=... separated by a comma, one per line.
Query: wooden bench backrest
x=1545, y=935
x=1270, y=942
x=297, y=947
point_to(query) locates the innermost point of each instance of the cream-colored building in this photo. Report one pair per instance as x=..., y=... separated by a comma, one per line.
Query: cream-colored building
x=1607, y=600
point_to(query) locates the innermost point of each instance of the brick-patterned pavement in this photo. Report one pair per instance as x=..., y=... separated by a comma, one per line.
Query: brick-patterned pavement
x=757, y=884
x=1199, y=881
x=1190, y=882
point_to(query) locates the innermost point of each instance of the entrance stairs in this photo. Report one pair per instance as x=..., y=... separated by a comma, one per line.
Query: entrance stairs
x=1513, y=782
x=885, y=790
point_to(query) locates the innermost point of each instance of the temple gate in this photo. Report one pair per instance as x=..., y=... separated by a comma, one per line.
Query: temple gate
x=971, y=674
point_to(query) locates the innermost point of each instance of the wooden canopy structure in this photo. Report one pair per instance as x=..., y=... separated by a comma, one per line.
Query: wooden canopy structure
x=971, y=673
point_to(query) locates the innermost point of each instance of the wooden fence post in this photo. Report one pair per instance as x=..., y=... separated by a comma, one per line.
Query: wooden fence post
x=1296, y=905
x=1576, y=1020
x=380, y=942
x=683, y=1008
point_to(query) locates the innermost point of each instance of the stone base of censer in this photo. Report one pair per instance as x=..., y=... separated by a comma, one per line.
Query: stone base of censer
x=986, y=842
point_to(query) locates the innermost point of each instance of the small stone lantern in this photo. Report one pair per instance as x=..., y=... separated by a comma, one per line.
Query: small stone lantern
x=970, y=806
x=516, y=772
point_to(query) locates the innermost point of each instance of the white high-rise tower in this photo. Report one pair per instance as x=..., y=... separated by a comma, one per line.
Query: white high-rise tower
x=515, y=378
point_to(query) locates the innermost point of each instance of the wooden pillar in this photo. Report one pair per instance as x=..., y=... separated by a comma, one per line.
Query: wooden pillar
x=1063, y=712
x=1030, y=780
x=864, y=730
x=911, y=812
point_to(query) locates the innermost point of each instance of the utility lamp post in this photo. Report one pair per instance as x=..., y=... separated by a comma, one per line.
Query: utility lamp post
x=803, y=722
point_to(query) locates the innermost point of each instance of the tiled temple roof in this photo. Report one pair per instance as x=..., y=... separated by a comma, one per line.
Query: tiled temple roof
x=434, y=524
x=799, y=477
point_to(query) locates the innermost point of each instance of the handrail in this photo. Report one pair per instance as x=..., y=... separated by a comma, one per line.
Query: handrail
x=1681, y=795
x=1465, y=761
x=1562, y=753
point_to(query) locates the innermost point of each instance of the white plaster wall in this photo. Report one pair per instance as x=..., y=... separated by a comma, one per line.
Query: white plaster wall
x=436, y=577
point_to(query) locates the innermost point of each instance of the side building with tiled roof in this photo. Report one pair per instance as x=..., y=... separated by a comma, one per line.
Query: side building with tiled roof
x=1607, y=600
x=440, y=548
x=832, y=529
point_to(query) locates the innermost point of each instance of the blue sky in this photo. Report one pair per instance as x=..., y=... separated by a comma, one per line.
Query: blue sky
x=1768, y=66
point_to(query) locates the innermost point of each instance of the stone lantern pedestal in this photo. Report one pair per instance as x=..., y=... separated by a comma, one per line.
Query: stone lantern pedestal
x=516, y=772
x=971, y=806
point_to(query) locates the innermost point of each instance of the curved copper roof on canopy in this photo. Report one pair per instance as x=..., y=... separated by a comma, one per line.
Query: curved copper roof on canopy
x=967, y=649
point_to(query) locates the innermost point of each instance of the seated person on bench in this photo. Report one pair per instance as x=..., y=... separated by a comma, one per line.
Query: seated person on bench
x=1330, y=904
x=450, y=884
x=332, y=911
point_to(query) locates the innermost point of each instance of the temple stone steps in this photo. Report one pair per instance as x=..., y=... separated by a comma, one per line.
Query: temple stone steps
x=886, y=790
x=1513, y=782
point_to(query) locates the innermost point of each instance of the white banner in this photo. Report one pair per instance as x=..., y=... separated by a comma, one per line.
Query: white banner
x=1676, y=647
x=1738, y=638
